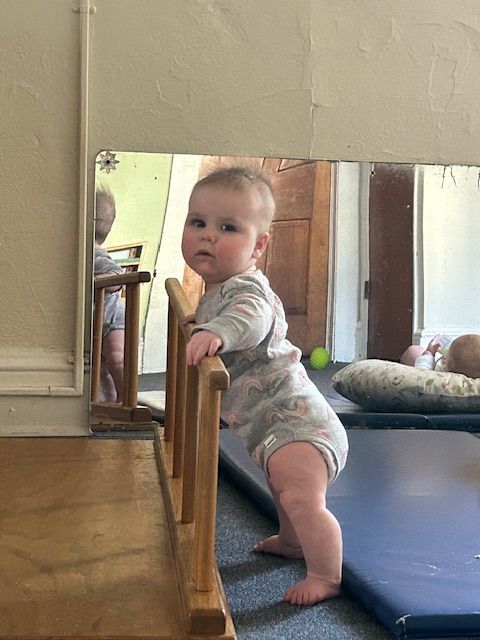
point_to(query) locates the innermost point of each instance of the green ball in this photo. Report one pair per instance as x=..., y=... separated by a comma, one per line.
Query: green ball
x=319, y=358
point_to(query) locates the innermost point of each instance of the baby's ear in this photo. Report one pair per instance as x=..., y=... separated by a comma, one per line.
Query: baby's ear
x=261, y=244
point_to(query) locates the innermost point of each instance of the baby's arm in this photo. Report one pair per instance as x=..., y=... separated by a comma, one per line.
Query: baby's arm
x=244, y=319
x=116, y=287
x=427, y=359
x=105, y=265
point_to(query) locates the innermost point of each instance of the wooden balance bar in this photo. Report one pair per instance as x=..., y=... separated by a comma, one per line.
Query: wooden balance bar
x=188, y=462
x=128, y=416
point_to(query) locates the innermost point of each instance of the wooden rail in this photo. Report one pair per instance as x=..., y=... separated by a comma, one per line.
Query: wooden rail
x=187, y=452
x=105, y=416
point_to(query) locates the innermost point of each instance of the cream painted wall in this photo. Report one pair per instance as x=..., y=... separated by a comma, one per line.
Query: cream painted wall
x=372, y=80
x=354, y=80
x=42, y=243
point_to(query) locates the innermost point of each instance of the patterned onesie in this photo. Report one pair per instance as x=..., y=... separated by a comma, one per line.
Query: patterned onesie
x=113, y=306
x=271, y=400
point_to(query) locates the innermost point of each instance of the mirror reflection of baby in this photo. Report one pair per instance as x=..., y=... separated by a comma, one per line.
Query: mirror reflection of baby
x=288, y=427
x=111, y=375
x=461, y=355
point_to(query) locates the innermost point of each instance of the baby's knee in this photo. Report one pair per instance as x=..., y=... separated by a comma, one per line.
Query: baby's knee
x=113, y=351
x=304, y=500
x=409, y=356
x=115, y=358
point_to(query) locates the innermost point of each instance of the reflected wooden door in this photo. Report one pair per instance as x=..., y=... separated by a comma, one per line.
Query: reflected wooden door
x=296, y=260
x=390, y=289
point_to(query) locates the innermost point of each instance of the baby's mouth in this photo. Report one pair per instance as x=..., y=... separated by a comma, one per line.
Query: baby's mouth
x=204, y=253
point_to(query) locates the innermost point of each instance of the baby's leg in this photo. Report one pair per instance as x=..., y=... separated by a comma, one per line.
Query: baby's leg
x=299, y=477
x=113, y=351
x=107, y=384
x=286, y=542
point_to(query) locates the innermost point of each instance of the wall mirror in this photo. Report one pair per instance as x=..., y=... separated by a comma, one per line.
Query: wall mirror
x=367, y=257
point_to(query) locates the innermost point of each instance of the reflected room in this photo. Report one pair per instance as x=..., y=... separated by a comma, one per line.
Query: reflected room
x=367, y=258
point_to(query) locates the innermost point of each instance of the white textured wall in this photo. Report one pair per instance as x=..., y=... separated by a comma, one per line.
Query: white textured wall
x=451, y=259
x=372, y=80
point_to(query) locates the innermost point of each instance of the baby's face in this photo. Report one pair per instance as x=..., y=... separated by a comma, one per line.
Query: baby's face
x=222, y=236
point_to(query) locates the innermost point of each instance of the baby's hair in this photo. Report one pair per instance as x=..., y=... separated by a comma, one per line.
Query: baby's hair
x=244, y=177
x=105, y=212
x=463, y=356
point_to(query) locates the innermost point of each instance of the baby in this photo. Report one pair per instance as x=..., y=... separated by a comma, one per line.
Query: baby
x=461, y=356
x=288, y=427
x=113, y=339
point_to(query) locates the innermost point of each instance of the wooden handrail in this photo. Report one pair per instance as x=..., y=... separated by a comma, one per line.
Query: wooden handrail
x=192, y=417
x=133, y=277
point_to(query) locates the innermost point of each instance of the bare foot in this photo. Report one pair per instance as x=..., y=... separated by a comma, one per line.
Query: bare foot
x=277, y=547
x=310, y=591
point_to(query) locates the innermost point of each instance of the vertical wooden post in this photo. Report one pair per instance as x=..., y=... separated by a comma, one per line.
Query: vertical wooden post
x=132, y=313
x=126, y=349
x=180, y=400
x=171, y=382
x=191, y=446
x=207, y=478
x=97, y=344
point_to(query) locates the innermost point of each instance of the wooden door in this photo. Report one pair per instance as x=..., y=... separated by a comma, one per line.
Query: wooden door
x=296, y=260
x=390, y=287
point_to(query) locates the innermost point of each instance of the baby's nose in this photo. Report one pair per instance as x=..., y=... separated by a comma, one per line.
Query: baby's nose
x=208, y=234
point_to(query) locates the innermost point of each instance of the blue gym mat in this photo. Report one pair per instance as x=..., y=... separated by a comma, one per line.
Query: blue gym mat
x=409, y=505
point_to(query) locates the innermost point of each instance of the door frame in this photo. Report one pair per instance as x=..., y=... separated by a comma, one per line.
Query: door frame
x=348, y=263
x=361, y=341
x=332, y=262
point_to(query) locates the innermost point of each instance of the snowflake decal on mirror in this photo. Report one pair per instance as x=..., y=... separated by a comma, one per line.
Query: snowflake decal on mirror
x=107, y=161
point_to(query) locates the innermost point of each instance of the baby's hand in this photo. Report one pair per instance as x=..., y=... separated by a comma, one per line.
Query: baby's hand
x=202, y=343
x=190, y=319
x=433, y=345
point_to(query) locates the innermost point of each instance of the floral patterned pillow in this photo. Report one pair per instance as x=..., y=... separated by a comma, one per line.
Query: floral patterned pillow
x=389, y=386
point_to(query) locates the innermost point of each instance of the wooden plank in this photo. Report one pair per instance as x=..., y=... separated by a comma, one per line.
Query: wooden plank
x=119, y=412
x=85, y=551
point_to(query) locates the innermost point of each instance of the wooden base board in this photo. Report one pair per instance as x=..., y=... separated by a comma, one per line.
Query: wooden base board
x=102, y=425
x=85, y=550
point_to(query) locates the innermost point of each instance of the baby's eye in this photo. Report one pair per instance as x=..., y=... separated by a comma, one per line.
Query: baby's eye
x=197, y=222
x=228, y=227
